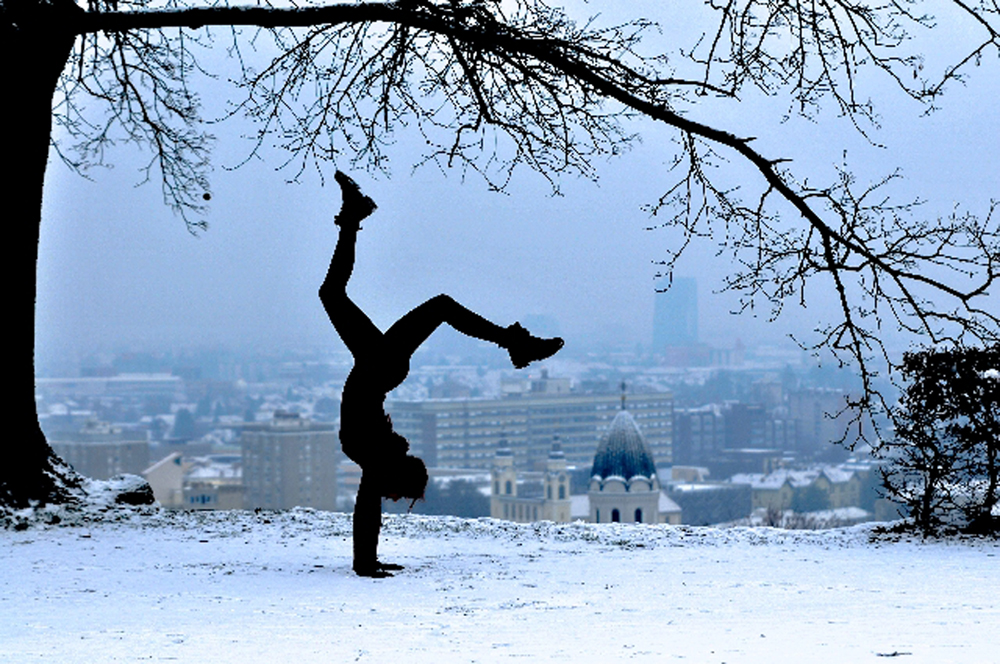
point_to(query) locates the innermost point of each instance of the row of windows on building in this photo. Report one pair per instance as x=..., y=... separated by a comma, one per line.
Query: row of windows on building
x=616, y=515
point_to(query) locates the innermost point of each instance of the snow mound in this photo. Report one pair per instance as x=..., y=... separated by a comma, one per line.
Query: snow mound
x=105, y=507
x=121, y=497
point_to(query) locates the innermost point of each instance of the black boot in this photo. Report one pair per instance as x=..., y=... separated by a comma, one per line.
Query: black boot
x=524, y=348
x=356, y=206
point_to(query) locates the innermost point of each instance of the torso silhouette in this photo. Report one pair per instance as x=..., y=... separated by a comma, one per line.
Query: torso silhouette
x=363, y=421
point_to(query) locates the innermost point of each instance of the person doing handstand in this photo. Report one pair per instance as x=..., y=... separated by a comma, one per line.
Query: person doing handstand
x=381, y=363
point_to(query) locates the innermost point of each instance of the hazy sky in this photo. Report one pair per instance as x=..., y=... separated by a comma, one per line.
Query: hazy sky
x=117, y=266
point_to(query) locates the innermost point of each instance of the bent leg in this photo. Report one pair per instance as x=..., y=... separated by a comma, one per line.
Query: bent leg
x=406, y=334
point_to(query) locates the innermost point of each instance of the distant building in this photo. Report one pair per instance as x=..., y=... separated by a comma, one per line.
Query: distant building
x=548, y=385
x=699, y=434
x=624, y=485
x=211, y=482
x=734, y=437
x=675, y=314
x=745, y=425
x=675, y=329
x=836, y=487
x=701, y=355
x=821, y=418
x=101, y=450
x=782, y=433
x=732, y=461
x=290, y=462
x=530, y=496
x=463, y=433
x=212, y=495
x=703, y=502
x=166, y=478
x=214, y=482
x=122, y=385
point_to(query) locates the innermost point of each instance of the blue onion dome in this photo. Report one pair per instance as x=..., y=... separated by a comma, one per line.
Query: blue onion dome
x=623, y=452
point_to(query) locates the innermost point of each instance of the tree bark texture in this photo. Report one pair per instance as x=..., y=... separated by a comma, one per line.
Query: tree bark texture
x=34, y=47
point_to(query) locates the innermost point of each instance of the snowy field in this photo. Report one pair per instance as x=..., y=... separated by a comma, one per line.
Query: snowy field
x=277, y=587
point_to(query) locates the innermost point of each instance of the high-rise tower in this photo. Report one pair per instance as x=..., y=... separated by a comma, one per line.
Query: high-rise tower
x=675, y=314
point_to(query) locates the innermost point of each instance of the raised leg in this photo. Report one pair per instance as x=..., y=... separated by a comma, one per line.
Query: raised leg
x=341, y=265
x=355, y=207
x=357, y=331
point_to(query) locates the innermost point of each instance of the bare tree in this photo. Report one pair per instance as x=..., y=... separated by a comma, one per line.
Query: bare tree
x=494, y=86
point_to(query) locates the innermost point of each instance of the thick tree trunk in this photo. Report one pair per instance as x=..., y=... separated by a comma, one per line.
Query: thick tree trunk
x=34, y=47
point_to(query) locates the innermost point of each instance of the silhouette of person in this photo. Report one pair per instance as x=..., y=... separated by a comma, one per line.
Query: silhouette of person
x=381, y=363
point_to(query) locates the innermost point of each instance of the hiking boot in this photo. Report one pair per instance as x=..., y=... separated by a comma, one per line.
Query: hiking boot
x=356, y=206
x=524, y=348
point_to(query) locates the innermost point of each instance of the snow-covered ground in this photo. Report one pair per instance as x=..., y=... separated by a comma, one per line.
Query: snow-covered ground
x=238, y=587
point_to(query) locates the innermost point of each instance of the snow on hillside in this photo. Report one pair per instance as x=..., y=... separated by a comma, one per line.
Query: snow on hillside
x=151, y=585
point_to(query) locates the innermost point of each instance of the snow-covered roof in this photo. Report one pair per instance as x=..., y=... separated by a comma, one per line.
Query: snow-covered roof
x=666, y=505
x=837, y=475
x=688, y=487
x=207, y=469
x=796, y=478
x=173, y=457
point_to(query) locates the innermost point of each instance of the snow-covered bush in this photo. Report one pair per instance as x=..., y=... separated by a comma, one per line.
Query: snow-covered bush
x=944, y=461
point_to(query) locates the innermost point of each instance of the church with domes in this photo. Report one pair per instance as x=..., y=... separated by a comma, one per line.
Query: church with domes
x=532, y=496
x=623, y=486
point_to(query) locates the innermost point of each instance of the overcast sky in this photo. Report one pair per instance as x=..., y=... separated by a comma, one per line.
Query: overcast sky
x=116, y=266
